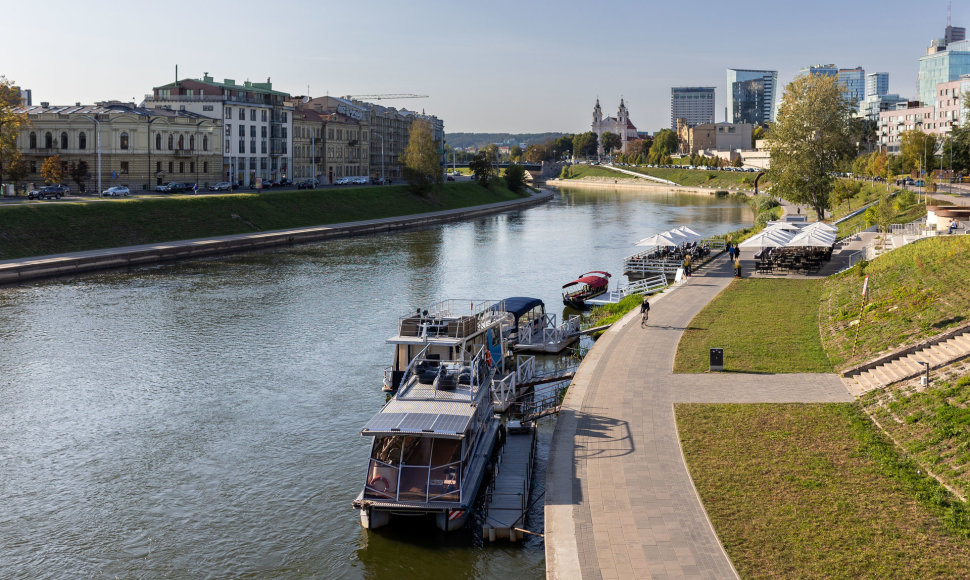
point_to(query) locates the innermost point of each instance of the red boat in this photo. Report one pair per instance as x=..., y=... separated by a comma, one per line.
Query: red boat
x=589, y=285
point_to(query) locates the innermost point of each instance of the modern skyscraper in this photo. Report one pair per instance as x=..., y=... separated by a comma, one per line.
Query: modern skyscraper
x=946, y=60
x=877, y=84
x=751, y=95
x=819, y=69
x=854, y=81
x=694, y=104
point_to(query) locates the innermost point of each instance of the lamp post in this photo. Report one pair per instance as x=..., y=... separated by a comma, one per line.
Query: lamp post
x=97, y=125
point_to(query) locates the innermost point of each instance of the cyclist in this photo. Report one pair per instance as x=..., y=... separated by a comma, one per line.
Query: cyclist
x=644, y=311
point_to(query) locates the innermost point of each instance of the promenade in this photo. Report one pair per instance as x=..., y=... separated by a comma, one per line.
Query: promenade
x=620, y=502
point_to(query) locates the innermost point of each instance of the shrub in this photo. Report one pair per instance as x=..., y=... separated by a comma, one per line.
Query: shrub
x=515, y=177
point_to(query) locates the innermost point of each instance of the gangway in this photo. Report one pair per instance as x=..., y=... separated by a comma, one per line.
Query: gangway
x=644, y=286
x=507, y=496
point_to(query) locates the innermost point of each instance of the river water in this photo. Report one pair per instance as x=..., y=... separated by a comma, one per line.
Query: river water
x=202, y=419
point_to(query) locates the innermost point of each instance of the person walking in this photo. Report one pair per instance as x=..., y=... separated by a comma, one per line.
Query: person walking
x=737, y=267
x=687, y=265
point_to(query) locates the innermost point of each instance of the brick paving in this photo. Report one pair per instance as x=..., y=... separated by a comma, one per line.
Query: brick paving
x=620, y=502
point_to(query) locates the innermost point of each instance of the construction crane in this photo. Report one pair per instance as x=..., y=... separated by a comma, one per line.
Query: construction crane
x=385, y=96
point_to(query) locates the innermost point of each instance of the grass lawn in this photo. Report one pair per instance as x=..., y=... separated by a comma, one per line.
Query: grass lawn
x=813, y=491
x=763, y=325
x=932, y=424
x=903, y=216
x=581, y=171
x=915, y=292
x=705, y=177
x=39, y=228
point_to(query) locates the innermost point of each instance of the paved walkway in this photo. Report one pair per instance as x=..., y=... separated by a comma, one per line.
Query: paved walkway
x=620, y=502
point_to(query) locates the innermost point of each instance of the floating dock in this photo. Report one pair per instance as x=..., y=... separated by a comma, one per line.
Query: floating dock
x=507, y=500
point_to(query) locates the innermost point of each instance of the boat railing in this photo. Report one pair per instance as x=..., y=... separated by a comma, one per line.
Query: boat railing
x=548, y=332
x=525, y=368
x=445, y=379
x=451, y=319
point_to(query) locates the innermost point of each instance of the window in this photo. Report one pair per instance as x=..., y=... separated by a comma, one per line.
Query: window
x=63, y=140
x=329, y=133
x=242, y=145
x=191, y=142
x=33, y=140
x=252, y=146
x=264, y=116
x=158, y=141
x=158, y=166
x=242, y=115
x=124, y=167
x=228, y=146
x=181, y=167
x=124, y=140
x=205, y=167
x=33, y=167
x=252, y=114
x=228, y=130
x=283, y=135
x=82, y=140
x=262, y=146
x=205, y=142
x=181, y=142
x=191, y=166
x=170, y=166
x=206, y=107
x=48, y=140
x=262, y=131
x=229, y=112
x=252, y=130
x=340, y=134
x=262, y=164
x=284, y=117
x=171, y=145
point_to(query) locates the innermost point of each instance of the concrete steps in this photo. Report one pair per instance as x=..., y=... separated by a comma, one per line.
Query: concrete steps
x=908, y=366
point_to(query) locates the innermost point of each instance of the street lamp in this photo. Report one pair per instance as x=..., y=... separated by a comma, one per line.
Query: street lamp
x=97, y=125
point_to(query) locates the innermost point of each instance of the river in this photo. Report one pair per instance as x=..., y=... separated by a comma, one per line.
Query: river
x=202, y=419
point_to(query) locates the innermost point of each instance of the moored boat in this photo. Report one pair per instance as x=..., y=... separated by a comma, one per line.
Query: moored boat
x=535, y=330
x=432, y=442
x=589, y=285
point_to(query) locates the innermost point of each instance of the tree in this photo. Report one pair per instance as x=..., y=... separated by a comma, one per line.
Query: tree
x=917, y=148
x=53, y=170
x=79, y=172
x=585, y=144
x=759, y=132
x=611, y=142
x=845, y=190
x=17, y=169
x=421, y=167
x=10, y=124
x=481, y=166
x=535, y=153
x=809, y=140
x=561, y=146
x=515, y=153
x=514, y=177
x=738, y=162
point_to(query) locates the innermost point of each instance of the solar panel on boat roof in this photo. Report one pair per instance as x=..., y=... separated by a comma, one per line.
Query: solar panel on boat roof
x=450, y=423
x=417, y=421
x=384, y=421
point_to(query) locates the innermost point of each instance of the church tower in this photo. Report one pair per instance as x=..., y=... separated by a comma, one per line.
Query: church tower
x=622, y=115
x=597, y=114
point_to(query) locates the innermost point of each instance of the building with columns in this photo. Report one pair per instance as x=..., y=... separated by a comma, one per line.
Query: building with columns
x=619, y=125
x=139, y=146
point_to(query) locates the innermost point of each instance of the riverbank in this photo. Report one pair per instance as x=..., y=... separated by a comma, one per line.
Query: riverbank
x=634, y=184
x=30, y=268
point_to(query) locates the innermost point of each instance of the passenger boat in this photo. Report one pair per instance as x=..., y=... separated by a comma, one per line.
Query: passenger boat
x=587, y=286
x=447, y=329
x=534, y=330
x=433, y=441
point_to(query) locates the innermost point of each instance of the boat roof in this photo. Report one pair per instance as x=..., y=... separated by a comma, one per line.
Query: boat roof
x=594, y=278
x=428, y=418
x=518, y=305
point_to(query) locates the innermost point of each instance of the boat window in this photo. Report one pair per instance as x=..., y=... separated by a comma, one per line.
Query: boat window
x=417, y=450
x=388, y=449
x=445, y=451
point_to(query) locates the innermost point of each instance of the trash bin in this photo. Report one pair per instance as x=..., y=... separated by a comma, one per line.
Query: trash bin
x=717, y=359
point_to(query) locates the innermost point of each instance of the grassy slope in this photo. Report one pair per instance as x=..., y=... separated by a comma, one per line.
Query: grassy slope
x=705, y=177
x=763, y=325
x=932, y=424
x=39, y=228
x=812, y=491
x=916, y=291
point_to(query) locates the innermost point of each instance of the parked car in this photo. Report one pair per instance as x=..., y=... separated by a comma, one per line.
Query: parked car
x=306, y=184
x=171, y=187
x=48, y=192
x=342, y=181
x=116, y=191
x=221, y=186
x=362, y=180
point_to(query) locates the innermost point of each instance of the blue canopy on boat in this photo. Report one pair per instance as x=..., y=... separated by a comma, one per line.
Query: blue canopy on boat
x=518, y=305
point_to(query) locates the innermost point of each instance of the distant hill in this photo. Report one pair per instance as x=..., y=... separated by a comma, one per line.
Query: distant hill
x=463, y=140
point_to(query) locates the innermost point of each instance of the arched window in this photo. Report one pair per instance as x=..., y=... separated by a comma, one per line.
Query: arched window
x=192, y=142
x=48, y=140
x=171, y=144
x=82, y=140
x=158, y=141
x=33, y=140
x=205, y=142
x=181, y=142
x=124, y=140
x=63, y=140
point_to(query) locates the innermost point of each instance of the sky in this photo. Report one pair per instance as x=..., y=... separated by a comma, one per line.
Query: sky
x=498, y=66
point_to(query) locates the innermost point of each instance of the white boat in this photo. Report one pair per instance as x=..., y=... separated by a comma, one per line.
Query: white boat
x=447, y=329
x=533, y=330
x=433, y=441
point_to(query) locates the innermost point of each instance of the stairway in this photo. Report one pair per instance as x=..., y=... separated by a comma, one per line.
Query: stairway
x=907, y=366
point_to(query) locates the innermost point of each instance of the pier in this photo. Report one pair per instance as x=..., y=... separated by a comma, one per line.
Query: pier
x=507, y=497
